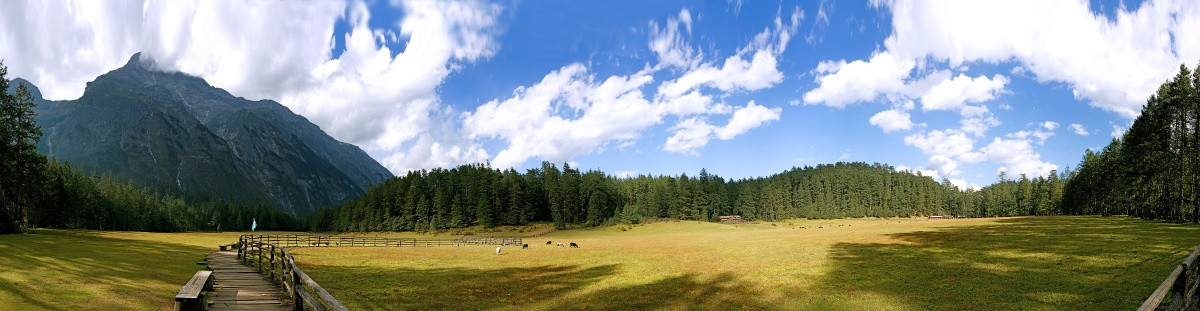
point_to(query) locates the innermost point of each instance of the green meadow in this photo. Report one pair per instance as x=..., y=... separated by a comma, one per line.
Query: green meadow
x=1065, y=263
x=1078, y=263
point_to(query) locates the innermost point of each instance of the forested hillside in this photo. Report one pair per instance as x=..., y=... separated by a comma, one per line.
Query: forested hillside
x=478, y=195
x=1151, y=171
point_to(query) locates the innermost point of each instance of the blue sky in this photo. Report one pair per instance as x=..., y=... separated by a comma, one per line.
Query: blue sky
x=954, y=89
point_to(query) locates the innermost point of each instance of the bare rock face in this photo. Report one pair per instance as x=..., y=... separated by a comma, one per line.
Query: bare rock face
x=176, y=133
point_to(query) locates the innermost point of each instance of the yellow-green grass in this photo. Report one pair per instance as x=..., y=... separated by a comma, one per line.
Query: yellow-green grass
x=1067, y=263
x=117, y=270
x=98, y=270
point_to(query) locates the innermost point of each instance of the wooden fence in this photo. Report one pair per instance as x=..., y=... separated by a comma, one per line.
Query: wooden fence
x=269, y=255
x=299, y=240
x=1181, y=285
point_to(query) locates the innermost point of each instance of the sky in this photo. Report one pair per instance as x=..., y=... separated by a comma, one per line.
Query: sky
x=955, y=90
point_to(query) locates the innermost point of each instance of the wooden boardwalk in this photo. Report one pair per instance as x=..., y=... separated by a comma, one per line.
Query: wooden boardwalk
x=238, y=287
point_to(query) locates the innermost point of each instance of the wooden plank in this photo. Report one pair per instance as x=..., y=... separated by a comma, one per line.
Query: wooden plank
x=1159, y=294
x=238, y=287
x=196, y=285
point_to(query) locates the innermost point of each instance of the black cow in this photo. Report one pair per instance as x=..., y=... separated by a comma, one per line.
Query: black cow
x=574, y=245
x=524, y=245
x=547, y=242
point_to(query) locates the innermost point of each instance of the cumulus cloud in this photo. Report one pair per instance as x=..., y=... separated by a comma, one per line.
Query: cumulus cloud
x=61, y=45
x=378, y=99
x=387, y=103
x=760, y=72
x=1115, y=64
x=1050, y=125
x=1078, y=129
x=892, y=120
x=976, y=120
x=613, y=110
x=1017, y=158
x=841, y=83
x=1040, y=135
x=952, y=94
x=570, y=112
x=746, y=118
x=945, y=148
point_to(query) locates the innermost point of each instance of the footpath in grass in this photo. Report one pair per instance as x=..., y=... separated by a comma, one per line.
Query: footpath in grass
x=1071, y=263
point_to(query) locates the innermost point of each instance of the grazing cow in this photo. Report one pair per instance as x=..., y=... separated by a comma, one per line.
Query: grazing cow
x=497, y=250
x=574, y=245
x=559, y=244
x=524, y=245
x=547, y=242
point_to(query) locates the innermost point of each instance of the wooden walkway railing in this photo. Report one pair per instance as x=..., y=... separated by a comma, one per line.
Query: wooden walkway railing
x=269, y=255
x=1181, y=285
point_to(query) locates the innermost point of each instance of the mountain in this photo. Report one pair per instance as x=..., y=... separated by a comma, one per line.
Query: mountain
x=177, y=133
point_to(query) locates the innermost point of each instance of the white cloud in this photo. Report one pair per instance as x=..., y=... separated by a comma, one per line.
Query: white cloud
x=693, y=133
x=736, y=74
x=960, y=183
x=1079, y=129
x=1113, y=63
x=690, y=134
x=569, y=113
x=952, y=94
x=61, y=45
x=614, y=110
x=945, y=148
x=387, y=103
x=891, y=120
x=976, y=120
x=671, y=45
x=842, y=83
x=746, y=118
x=1050, y=125
x=1017, y=157
x=1040, y=135
x=1118, y=131
x=625, y=174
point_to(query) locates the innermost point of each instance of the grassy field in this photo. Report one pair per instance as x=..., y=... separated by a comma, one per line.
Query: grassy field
x=107, y=270
x=1101, y=263
x=1071, y=263
x=95, y=270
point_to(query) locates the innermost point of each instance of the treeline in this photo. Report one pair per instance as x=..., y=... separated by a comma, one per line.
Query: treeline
x=479, y=195
x=36, y=192
x=1152, y=170
x=71, y=199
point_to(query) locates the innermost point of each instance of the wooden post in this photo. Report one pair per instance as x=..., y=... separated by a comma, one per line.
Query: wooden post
x=272, y=262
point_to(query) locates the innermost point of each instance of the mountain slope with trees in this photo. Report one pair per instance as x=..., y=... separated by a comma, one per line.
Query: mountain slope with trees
x=176, y=134
x=36, y=192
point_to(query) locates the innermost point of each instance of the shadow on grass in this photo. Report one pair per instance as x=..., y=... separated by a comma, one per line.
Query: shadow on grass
x=63, y=270
x=368, y=288
x=1065, y=263
x=725, y=291
x=374, y=288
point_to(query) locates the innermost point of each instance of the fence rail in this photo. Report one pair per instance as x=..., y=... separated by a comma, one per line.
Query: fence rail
x=268, y=254
x=1182, y=286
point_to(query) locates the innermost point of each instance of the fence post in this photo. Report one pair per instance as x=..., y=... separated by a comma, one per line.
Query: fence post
x=272, y=269
x=260, y=256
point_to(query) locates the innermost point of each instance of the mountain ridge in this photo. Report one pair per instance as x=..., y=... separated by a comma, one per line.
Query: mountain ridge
x=180, y=134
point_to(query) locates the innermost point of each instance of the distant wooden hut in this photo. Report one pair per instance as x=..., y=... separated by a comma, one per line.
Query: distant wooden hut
x=732, y=218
